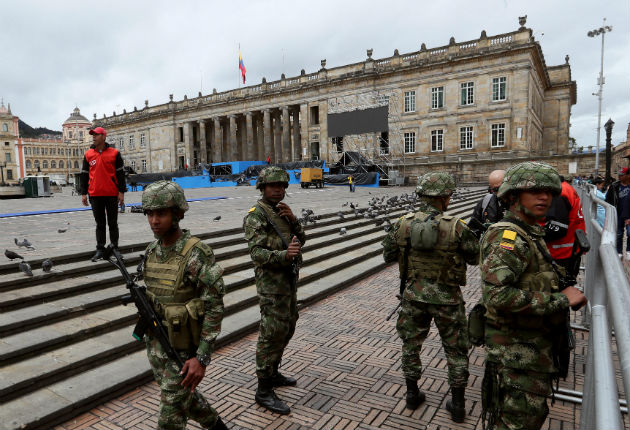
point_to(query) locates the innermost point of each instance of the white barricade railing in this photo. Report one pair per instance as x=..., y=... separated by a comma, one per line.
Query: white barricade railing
x=607, y=289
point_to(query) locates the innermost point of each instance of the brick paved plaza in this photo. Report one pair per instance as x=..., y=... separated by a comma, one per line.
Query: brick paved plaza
x=347, y=361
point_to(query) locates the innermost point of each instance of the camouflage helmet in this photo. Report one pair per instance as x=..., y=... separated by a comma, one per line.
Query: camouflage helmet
x=436, y=184
x=164, y=194
x=272, y=174
x=530, y=176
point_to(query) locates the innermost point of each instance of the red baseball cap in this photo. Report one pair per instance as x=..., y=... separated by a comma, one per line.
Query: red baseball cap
x=624, y=171
x=99, y=130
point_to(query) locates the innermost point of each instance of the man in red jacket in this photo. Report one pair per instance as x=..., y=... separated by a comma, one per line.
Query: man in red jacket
x=103, y=179
x=563, y=219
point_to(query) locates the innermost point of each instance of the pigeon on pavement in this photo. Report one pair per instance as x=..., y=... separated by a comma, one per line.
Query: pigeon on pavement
x=26, y=268
x=25, y=243
x=12, y=255
x=342, y=231
x=47, y=265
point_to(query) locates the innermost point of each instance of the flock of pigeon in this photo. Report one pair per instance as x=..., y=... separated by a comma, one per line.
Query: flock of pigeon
x=24, y=267
x=378, y=209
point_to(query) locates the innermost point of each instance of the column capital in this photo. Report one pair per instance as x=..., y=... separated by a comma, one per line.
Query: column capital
x=248, y=114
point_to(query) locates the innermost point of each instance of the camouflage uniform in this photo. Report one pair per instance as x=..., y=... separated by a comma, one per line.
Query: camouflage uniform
x=201, y=275
x=520, y=293
x=277, y=299
x=434, y=277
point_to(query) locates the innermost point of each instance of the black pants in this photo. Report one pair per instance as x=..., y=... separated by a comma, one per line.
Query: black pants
x=101, y=206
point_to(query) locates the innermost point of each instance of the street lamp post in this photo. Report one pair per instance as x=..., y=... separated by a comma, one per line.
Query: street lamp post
x=593, y=33
x=608, y=127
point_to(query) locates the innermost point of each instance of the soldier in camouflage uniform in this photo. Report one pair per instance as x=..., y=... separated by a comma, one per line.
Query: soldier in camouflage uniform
x=437, y=248
x=185, y=286
x=269, y=226
x=522, y=300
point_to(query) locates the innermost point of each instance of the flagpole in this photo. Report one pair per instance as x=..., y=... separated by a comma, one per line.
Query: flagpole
x=239, y=64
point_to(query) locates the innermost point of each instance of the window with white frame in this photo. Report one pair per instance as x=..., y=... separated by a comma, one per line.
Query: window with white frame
x=437, y=140
x=410, y=101
x=437, y=97
x=131, y=143
x=143, y=141
x=144, y=165
x=410, y=142
x=499, y=86
x=133, y=164
x=498, y=135
x=466, y=137
x=467, y=90
x=121, y=143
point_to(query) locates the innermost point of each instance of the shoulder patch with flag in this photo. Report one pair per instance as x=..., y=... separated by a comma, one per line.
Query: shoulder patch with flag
x=507, y=240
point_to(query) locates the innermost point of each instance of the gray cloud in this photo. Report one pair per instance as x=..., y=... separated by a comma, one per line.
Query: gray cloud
x=111, y=56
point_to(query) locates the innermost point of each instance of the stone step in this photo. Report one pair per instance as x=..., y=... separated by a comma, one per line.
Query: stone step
x=20, y=345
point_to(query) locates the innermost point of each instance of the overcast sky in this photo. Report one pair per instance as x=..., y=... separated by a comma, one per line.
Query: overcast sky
x=112, y=55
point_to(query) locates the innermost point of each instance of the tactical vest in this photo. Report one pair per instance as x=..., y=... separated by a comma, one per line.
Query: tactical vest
x=181, y=310
x=539, y=276
x=443, y=264
x=273, y=241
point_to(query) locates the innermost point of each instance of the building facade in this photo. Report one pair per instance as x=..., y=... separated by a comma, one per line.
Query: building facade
x=9, y=135
x=467, y=107
x=58, y=157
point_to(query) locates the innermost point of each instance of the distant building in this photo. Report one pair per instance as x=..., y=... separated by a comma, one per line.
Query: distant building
x=621, y=155
x=57, y=156
x=467, y=107
x=9, y=156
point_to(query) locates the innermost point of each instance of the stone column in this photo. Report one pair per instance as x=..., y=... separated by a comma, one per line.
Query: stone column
x=286, y=135
x=260, y=138
x=188, y=143
x=267, y=148
x=203, y=157
x=240, y=138
x=249, y=140
x=233, y=145
x=218, y=140
x=305, y=150
x=297, y=147
x=277, y=138
x=324, y=150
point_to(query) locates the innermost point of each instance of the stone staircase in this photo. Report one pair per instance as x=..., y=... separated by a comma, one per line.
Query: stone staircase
x=65, y=338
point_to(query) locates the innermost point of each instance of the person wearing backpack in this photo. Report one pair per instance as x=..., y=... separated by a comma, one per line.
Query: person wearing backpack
x=432, y=250
x=488, y=210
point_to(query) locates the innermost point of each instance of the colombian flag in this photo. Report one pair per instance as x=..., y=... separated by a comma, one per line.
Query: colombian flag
x=241, y=65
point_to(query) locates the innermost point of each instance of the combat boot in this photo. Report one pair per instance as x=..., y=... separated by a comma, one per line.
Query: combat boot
x=267, y=398
x=457, y=405
x=414, y=396
x=279, y=380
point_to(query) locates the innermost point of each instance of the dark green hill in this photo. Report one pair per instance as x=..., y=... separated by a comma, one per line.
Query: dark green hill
x=28, y=131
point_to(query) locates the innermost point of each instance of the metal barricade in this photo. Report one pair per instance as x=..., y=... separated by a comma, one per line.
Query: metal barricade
x=607, y=289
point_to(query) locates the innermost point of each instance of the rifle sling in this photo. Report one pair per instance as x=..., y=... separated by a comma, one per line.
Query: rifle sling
x=275, y=226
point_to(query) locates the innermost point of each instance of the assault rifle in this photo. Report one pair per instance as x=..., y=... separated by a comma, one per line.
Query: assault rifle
x=148, y=318
x=477, y=227
x=295, y=268
x=564, y=341
x=403, y=278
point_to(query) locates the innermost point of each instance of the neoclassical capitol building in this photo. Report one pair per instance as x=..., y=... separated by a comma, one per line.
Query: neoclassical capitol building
x=467, y=107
